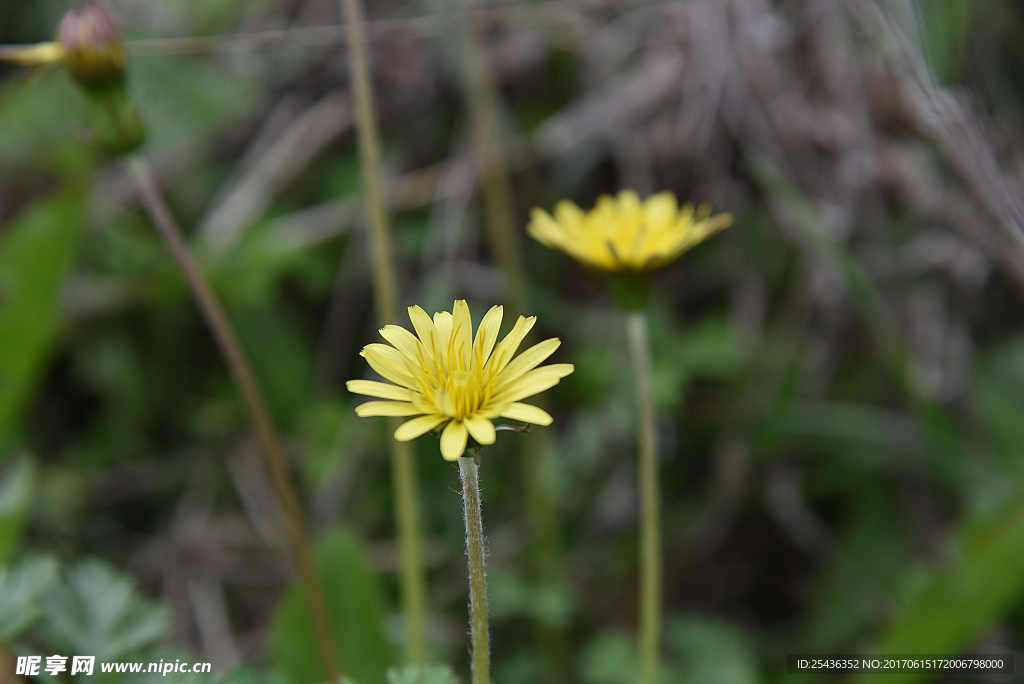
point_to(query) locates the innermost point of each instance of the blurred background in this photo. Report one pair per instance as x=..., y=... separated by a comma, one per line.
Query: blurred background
x=839, y=375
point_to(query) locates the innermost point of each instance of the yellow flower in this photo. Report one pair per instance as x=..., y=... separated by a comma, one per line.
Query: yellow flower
x=622, y=234
x=445, y=377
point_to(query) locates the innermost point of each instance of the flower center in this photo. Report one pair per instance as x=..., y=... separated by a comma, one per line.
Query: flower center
x=461, y=395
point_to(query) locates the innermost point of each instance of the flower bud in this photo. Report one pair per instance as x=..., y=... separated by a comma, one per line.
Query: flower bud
x=94, y=55
x=91, y=40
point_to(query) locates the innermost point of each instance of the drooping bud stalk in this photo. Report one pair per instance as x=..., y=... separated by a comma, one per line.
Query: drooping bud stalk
x=94, y=55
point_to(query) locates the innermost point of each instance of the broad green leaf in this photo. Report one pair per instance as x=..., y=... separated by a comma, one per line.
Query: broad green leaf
x=353, y=599
x=96, y=611
x=16, y=485
x=548, y=603
x=609, y=659
x=954, y=605
x=21, y=587
x=711, y=652
x=35, y=253
x=856, y=586
x=431, y=674
x=36, y=115
x=998, y=396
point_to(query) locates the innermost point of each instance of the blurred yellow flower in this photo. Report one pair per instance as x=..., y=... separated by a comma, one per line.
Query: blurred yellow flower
x=624, y=235
x=445, y=377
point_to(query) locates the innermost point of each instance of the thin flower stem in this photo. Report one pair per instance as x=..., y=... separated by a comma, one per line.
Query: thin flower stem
x=650, y=523
x=231, y=349
x=407, y=511
x=385, y=282
x=476, y=553
x=503, y=239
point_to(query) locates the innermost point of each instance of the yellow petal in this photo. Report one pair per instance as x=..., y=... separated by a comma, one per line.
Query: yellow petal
x=372, y=388
x=418, y=426
x=569, y=216
x=555, y=370
x=443, y=323
x=661, y=209
x=389, y=362
x=420, y=402
x=462, y=334
x=404, y=341
x=528, y=360
x=503, y=354
x=629, y=202
x=527, y=413
x=487, y=334
x=533, y=382
x=545, y=229
x=453, y=441
x=481, y=429
x=424, y=327
x=386, y=408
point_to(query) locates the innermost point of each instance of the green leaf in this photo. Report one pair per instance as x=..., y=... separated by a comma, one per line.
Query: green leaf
x=609, y=659
x=35, y=255
x=549, y=603
x=97, y=612
x=998, y=396
x=353, y=599
x=953, y=605
x=431, y=674
x=945, y=32
x=16, y=488
x=711, y=652
x=20, y=590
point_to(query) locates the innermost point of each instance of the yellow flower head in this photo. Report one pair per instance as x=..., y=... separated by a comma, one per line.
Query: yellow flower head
x=624, y=235
x=446, y=377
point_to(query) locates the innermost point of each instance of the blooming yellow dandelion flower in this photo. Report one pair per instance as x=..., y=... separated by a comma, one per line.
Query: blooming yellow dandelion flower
x=446, y=377
x=624, y=235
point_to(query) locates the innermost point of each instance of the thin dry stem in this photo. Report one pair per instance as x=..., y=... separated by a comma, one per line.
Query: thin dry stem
x=245, y=379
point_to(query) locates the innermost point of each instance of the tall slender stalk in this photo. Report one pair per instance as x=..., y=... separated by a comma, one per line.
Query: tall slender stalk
x=231, y=349
x=407, y=511
x=503, y=239
x=650, y=522
x=385, y=283
x=476, y=554
x=499, y=213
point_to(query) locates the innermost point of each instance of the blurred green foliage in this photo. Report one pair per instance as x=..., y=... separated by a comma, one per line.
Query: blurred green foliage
x=839, y=399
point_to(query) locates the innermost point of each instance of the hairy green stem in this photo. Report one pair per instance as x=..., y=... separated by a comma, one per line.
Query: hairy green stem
x=476, y=553
x=231, y=349
x=503, y=239
x=650, y=523
x=385, y=282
